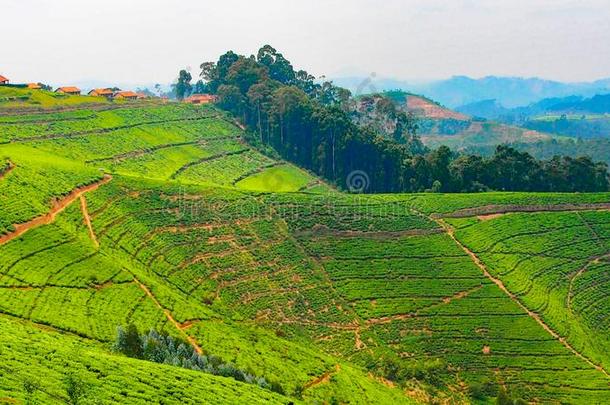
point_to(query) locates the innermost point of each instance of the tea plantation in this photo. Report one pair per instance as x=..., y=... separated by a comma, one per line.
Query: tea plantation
x=162, y=216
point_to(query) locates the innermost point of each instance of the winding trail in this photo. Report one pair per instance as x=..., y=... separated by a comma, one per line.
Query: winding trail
x=87, y=218
x=58, y=207
x=500, y=284
x=180, y=327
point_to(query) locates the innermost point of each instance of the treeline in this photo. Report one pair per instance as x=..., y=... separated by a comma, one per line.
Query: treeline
x=582, y=127
x=312, y=125
x=161, y=348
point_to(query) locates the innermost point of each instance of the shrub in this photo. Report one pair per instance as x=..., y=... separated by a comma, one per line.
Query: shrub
x=161, y=348
x=76, y=389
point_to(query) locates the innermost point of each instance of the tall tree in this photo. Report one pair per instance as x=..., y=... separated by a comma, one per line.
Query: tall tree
x=183, y=86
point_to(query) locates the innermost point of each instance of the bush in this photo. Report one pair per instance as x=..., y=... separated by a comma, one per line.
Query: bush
x=76, y=389
x=165, y=349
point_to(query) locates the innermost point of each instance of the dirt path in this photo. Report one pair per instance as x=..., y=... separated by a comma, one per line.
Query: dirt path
x=169, y=317
x=324, y=378
x=488, y=217
x=489, y=211
x=512, y=296
x=402, y=317
x=10, y=168
x=87, y=218
x=324, y=231
x=49, y=217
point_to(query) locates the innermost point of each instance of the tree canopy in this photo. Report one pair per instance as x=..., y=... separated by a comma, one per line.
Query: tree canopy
x=323, y=128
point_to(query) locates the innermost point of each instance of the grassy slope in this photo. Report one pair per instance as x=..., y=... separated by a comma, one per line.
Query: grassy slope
x=99, y=288
x=42, y=356
x=303, y=289
x=12, y=98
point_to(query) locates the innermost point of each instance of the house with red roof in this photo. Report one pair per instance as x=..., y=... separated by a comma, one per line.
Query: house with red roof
x=126, y=95
x=200, y=99
x=34, y=86
x=108, y=93
x=71, y=90
x=3, y=80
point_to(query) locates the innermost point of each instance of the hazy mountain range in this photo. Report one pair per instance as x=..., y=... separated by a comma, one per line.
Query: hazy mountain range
x=460, y=90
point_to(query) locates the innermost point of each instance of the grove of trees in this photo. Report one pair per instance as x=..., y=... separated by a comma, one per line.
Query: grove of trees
x=313, y=124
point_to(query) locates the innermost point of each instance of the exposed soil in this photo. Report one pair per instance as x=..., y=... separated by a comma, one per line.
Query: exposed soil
x=323, y=379
x=11, y=166
x=320, y=230
x=488, y=217
x=58, y=206
x=169, y=317
x=431, y=110
x=487, y=210
x=87, y=218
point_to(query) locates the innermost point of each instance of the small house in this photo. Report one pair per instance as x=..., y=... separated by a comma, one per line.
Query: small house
x=126, y=95
x=200, y=99
x=3, y=80
x=34, y=86
x=71, y=90
x=108, y=93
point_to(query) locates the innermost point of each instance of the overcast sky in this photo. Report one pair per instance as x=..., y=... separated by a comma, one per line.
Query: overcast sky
x=141, y=41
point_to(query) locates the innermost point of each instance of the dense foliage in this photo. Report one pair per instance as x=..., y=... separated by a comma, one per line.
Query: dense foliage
x=310, y=124
x=165, y=349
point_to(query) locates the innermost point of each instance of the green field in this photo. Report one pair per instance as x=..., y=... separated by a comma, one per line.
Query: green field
x=162, y=216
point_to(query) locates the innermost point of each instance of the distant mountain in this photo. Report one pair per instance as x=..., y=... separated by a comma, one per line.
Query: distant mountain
x=492, y=109
x=460, y=90
x=573, y=116
x=488, y=109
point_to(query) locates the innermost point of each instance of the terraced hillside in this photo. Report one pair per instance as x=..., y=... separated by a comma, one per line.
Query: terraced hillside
x=161, y=216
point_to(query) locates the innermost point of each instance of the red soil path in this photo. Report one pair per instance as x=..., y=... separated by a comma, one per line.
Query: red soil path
x=169, y=317
x=324, y=378
x=512, y=296
x=49, y=217
x=11, y=166
x=87, y=218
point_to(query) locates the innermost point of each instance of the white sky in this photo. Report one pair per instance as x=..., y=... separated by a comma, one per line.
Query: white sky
x=141, y=41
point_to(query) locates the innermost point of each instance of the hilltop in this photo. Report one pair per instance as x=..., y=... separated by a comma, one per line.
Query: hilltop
x=162, y=216
x=438, y=125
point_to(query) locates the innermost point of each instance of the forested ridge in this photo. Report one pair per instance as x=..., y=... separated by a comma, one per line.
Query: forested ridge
x=315, y=126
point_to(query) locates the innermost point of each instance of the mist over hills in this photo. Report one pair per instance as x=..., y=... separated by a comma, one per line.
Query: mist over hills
x=460, y=90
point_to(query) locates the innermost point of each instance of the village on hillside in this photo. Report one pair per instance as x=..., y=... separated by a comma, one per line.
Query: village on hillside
x=110, y=93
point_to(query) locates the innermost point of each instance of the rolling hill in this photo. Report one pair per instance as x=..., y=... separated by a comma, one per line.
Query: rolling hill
x=439, y=125
x=162, y=216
